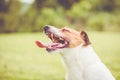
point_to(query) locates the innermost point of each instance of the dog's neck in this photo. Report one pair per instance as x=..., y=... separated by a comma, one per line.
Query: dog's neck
x=70, y=56
x=78, y=58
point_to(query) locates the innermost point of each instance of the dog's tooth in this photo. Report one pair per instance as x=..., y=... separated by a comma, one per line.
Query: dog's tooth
x=52, y=36
x=61, y=38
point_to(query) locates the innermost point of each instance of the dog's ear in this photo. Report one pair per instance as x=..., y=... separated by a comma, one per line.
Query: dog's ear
x=84, y=36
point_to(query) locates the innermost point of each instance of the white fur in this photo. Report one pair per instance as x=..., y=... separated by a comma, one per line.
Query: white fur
x=83, y=64
x=55, y=31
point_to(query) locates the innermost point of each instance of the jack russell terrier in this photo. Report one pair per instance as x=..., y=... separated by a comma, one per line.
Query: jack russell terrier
x=81, y=61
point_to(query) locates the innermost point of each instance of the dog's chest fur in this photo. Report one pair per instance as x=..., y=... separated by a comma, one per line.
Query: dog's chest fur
x=83, y=64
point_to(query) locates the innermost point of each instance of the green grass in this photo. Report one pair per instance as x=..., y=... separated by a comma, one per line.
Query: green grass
x=21, y=59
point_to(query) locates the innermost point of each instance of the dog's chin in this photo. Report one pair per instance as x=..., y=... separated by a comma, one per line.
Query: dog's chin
x=54, y=51
x=51, y=50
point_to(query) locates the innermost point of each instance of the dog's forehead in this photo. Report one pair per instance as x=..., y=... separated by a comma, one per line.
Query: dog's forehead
x=66, y=28
x=69, y=30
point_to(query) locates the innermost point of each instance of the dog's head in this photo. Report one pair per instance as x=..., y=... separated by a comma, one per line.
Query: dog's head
x=63, y=38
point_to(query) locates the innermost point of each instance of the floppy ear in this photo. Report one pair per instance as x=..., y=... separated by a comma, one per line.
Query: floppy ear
x=84, y=36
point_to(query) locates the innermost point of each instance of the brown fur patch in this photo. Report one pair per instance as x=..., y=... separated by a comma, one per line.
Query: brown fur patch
x=85, y=38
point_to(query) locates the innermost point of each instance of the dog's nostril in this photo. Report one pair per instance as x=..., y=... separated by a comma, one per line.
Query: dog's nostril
x=46, y=28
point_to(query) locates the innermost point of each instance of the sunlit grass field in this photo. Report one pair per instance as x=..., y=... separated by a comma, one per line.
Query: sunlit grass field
x=21, y=59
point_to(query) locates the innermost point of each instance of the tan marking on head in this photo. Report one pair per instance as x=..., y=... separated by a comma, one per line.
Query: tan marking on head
x=73, y=36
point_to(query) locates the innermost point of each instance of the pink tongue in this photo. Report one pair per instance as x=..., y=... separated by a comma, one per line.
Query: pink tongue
x=41, y=45
x=44, y=45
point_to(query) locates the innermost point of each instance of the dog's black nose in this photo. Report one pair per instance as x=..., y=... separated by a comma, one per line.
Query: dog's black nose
x=46, y=28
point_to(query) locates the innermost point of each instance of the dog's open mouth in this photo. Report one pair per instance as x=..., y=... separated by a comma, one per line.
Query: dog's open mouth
x=58, y=42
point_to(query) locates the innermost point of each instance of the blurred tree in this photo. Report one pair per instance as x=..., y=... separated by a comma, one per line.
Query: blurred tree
x=4, y=8
x=12, y=17
x=79, y=13
x=95, y=14
x=108, y=5
x=103, y=5
x=67, y=4
x=39, y=4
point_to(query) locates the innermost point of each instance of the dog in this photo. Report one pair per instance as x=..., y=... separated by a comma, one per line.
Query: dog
x=80, y=60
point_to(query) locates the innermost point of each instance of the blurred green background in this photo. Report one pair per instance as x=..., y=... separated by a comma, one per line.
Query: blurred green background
x=22, y=22
x=32, y=15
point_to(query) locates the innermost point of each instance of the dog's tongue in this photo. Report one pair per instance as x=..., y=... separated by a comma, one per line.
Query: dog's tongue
x=41, y=44
x=44, y=45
